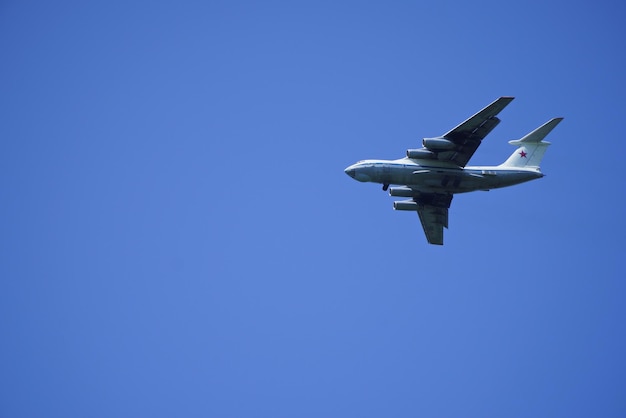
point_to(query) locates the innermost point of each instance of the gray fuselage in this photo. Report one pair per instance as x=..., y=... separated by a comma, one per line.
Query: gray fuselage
x=434, y=176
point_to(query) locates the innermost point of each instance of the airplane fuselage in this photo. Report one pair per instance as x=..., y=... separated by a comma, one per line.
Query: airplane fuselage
x=439, y=177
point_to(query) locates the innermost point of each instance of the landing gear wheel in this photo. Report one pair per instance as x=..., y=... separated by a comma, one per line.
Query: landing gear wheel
x=385, y=187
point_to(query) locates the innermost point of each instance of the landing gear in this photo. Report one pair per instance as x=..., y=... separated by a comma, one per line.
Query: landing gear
x=385, y=187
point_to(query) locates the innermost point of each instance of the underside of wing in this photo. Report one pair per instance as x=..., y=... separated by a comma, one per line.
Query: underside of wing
x=469, y=134
x=479, y=125
x=433, y=220
x=460, y=143
x=432, y=209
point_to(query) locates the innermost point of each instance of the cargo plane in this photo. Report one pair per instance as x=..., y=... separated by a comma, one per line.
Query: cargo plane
x=431, y=175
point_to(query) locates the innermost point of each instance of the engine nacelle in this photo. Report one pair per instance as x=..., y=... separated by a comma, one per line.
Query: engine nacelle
x=401, y=192
x=406, y=205
x=438, y=144
x=420, y=154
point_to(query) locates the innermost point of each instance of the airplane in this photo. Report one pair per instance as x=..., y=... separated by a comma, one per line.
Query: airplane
x=431, y=175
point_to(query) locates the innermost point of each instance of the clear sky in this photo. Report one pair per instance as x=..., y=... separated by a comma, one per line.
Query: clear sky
x=178, y=237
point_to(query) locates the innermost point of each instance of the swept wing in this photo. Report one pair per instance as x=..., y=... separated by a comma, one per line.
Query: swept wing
x=433, y=214
x=467, y=136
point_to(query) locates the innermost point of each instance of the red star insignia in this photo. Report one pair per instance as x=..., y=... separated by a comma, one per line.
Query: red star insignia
x=522, y=153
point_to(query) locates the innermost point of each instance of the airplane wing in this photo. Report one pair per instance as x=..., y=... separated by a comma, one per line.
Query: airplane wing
x=469, y=134
x=433, y=214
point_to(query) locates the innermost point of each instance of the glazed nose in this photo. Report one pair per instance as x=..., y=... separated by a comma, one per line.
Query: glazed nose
x=350, y=171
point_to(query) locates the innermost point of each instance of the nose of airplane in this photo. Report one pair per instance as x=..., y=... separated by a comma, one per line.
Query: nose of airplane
x=350, y=171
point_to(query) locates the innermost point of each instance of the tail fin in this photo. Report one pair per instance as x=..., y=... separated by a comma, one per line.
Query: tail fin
x=531, y=148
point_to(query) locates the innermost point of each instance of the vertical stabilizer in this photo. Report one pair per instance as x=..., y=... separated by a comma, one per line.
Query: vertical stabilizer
x=531, y=147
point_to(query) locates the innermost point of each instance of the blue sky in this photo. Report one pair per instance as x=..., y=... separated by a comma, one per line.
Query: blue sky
x=178, y=237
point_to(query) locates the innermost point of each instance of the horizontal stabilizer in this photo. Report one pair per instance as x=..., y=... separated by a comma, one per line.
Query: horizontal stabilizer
x=538, y=134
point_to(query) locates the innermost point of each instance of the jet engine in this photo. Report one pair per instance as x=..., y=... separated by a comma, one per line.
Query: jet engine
x=438, y=144
x=405, y=205
x=401, y=192
x=421, y=153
